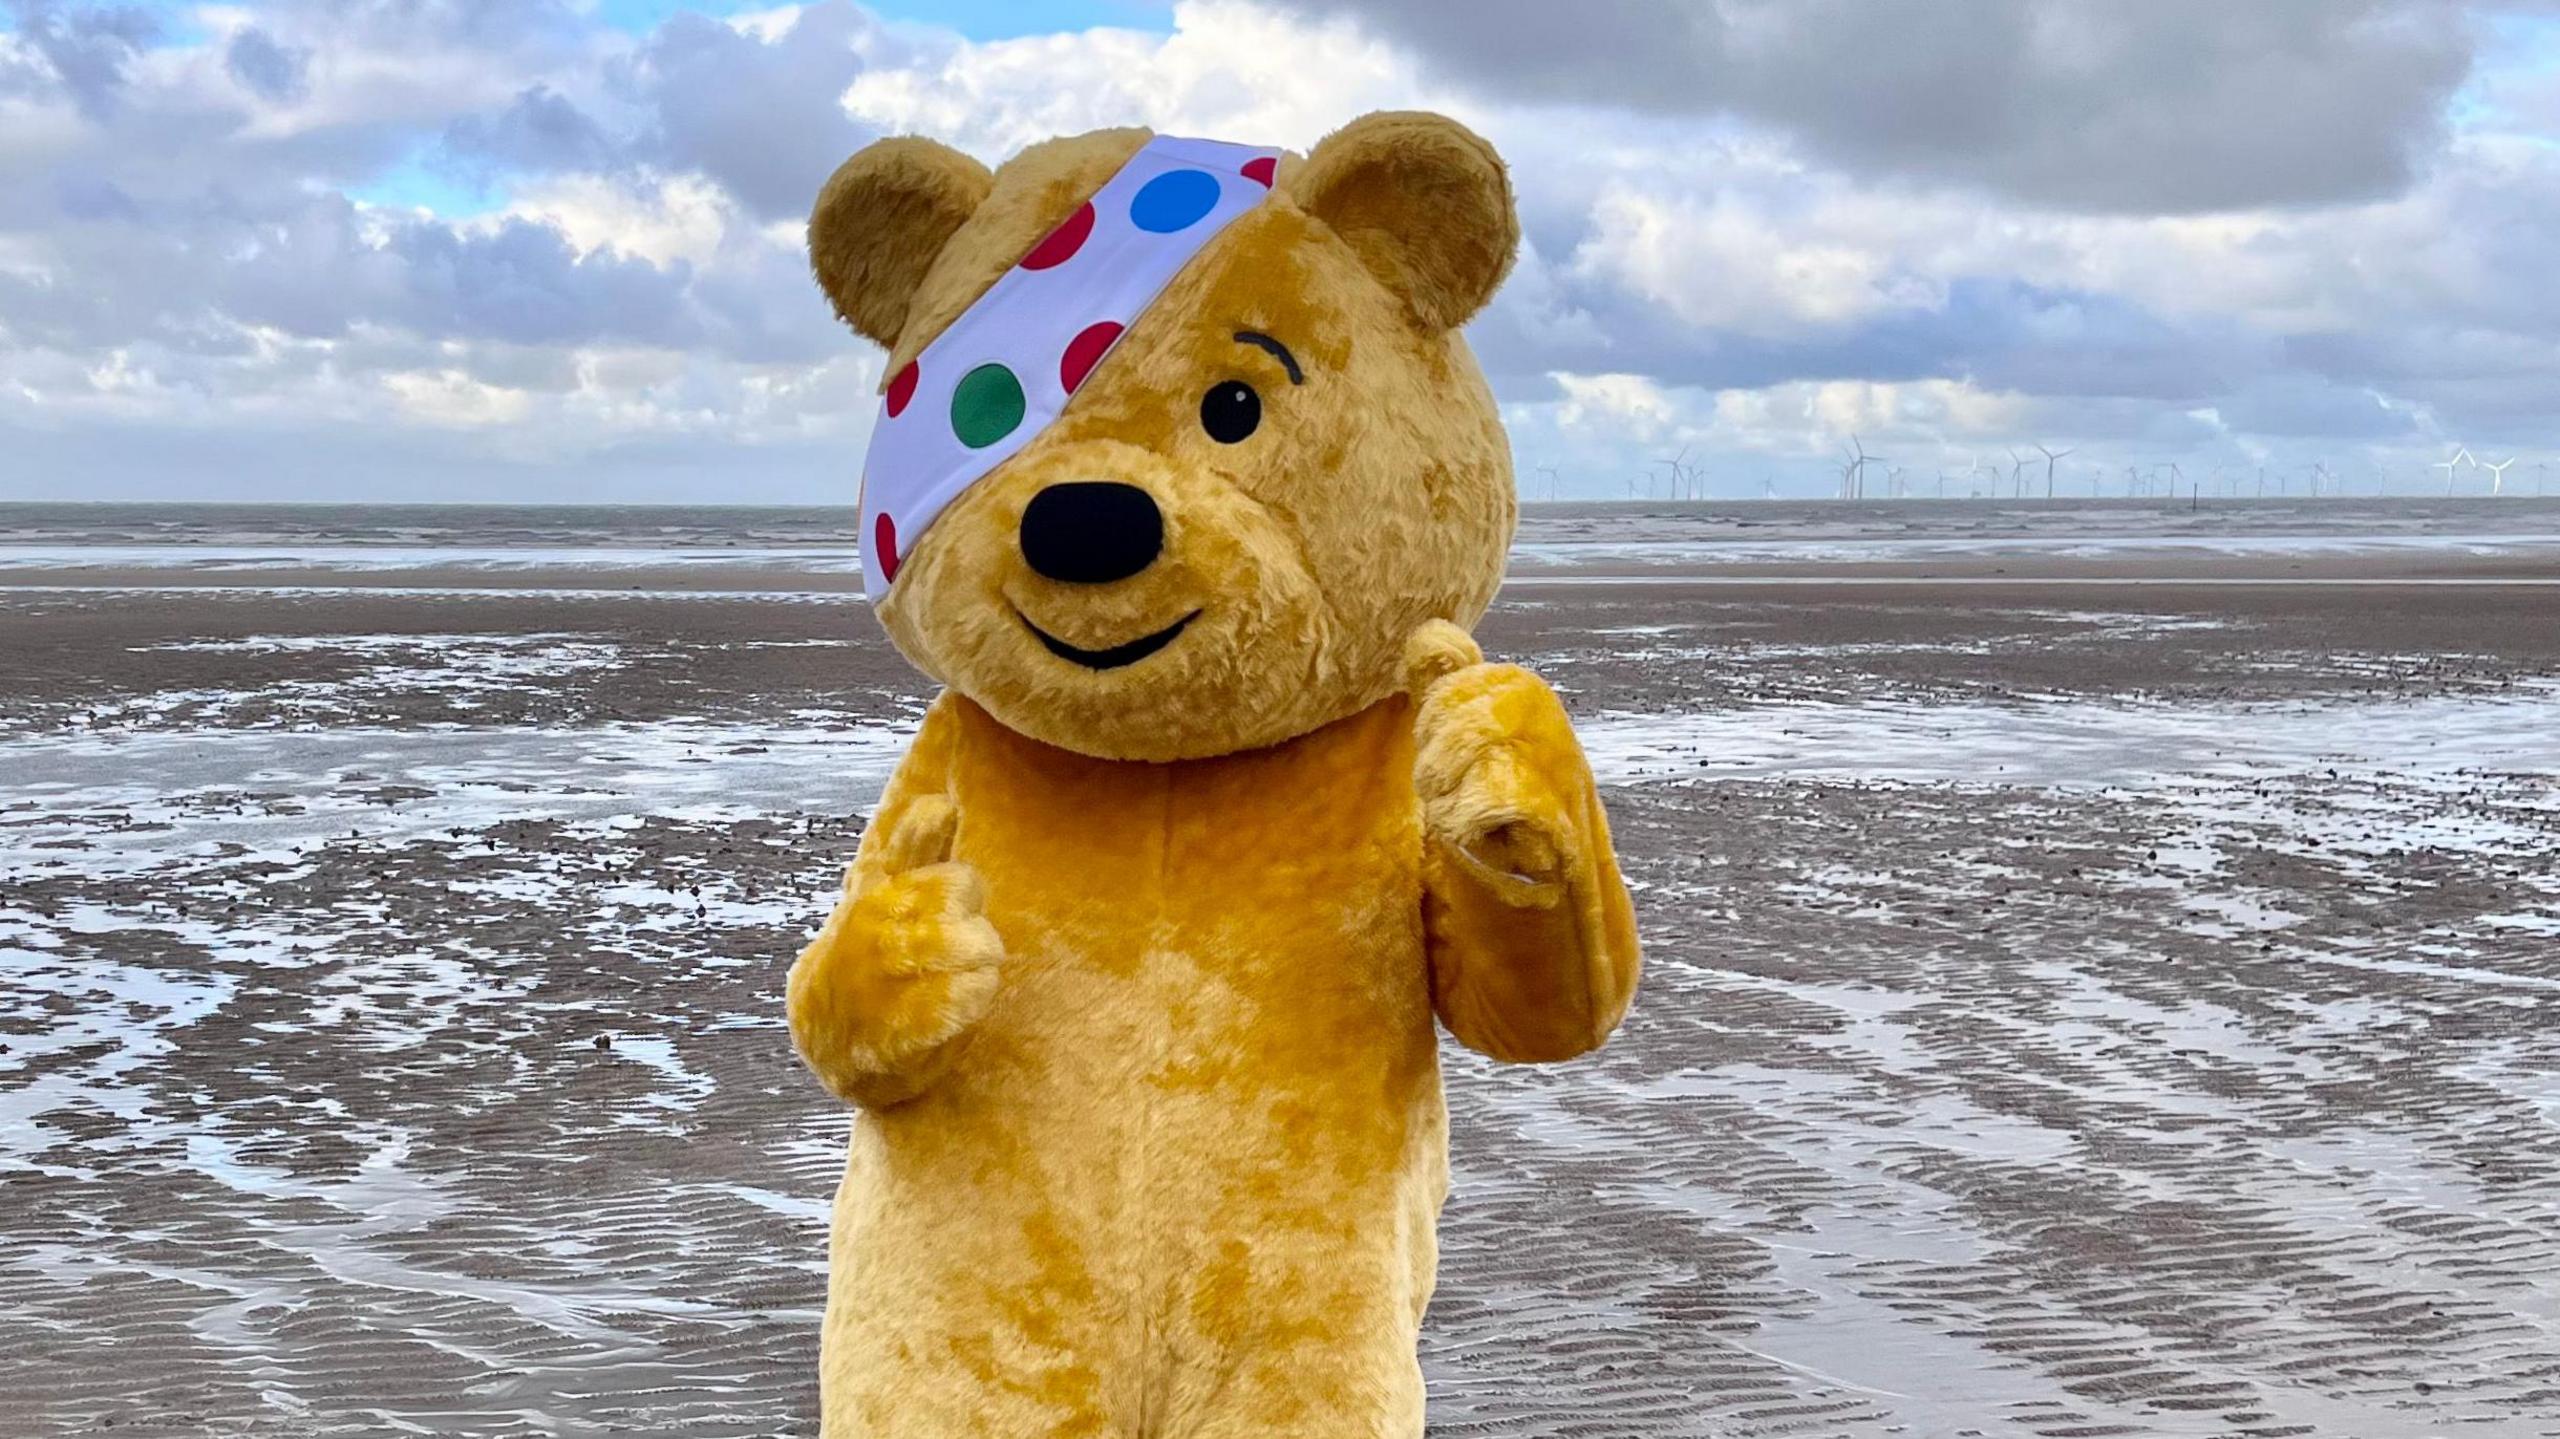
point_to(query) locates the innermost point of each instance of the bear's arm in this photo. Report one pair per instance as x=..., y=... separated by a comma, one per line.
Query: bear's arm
x=881, y=1002
x=1529, y=930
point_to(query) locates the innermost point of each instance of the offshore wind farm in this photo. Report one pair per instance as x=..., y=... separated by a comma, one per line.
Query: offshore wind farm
x=2036, y=470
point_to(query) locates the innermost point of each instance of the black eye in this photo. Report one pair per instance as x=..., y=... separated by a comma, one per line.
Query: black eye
x=1230, y=411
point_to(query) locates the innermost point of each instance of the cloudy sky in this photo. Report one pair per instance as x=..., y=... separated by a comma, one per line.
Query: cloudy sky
x=550, y=249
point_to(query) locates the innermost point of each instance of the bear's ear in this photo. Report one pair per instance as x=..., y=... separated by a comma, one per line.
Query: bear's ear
x=1426, y=203
x=882, y=218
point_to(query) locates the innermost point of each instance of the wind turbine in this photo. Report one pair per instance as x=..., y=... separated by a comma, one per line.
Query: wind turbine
x=2461, y=457
x=2049, y=457
x=1679, y=473
x=2498, y=475
x=1855, y=472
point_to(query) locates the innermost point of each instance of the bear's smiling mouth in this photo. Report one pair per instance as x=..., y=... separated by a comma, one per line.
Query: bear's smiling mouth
x=1114, y=657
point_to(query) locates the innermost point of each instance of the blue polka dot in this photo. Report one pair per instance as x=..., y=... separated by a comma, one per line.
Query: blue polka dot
x=1173, y=201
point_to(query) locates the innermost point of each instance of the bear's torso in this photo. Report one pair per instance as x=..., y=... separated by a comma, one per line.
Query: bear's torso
x=1198, y=1142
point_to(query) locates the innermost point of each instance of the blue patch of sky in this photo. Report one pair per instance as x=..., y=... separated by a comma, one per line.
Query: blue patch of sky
x=976, y=19
x=419, y=182
x=641, y=16
x=2519, y=51
x=175, y=19
x=1000, y=20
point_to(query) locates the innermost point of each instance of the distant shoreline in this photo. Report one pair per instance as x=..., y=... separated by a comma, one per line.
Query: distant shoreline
x=808, y=551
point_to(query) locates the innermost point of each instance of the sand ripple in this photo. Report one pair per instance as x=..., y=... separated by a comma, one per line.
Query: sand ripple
x=2195, y=1078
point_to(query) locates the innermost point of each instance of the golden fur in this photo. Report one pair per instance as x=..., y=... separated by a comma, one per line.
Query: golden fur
x=1135, y=975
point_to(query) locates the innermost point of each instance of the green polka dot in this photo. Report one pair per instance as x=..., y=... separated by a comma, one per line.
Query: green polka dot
x=985, y=406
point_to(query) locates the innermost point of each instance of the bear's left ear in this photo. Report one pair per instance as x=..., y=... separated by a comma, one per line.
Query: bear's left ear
x=1426, y=203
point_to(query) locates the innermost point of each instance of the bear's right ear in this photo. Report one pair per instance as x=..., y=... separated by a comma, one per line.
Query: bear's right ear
x=882, y=218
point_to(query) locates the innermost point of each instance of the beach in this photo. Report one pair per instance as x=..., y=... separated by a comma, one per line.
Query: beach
x=2103, y=973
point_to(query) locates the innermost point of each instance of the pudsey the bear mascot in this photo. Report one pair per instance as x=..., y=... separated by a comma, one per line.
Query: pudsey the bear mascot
x=1185, y=488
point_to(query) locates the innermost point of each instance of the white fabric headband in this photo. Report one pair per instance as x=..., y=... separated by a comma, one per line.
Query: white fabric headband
x=999, y=375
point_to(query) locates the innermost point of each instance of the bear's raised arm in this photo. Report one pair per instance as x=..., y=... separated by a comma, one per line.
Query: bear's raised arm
x=1530, y=934
x=883, y=999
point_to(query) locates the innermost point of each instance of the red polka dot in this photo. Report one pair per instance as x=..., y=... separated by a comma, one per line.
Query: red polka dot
x=884, y=547
x=902, y=388
x=1084, y=351
x=1063, y=241
x=1261, y=169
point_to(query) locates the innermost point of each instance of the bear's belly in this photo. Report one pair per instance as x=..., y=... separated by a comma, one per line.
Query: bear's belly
x=1203, y=1118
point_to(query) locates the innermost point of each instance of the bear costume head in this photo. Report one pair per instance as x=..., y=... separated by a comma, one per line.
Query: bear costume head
x=1285, y=466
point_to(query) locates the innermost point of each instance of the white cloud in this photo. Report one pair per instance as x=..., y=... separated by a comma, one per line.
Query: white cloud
x=1609, y=401
x=187, y=250
x=662, y=219
x=1725, y=264
x=450, y=397
x=1228, y=69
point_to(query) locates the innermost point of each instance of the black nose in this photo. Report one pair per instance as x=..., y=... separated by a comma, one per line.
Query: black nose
x=1092, y=532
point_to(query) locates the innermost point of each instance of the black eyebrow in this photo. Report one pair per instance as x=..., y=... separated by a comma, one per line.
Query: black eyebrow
x=1280, y=352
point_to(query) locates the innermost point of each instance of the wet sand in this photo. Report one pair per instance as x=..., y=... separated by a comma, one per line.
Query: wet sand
x=2078, y=1008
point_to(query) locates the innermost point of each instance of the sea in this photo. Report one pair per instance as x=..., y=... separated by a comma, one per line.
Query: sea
x=224, y=538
